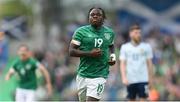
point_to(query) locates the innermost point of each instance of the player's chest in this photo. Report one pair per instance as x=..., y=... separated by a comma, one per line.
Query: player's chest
x=136, y=53
x=24, y=68
x=95, y=39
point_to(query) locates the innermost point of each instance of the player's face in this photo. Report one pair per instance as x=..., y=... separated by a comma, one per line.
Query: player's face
x=96, y=17
x=135, y=35
x=23, y=52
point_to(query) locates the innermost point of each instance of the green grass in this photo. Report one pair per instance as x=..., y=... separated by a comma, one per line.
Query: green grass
x=7, y=88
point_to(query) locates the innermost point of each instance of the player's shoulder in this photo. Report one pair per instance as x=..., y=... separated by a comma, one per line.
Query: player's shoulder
x=127, y=44
x=108, y=29
x=145, y=44
x=33, y=60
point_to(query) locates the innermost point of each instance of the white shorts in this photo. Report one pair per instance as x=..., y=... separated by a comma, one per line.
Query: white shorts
x=25, y=95
x=92, y=87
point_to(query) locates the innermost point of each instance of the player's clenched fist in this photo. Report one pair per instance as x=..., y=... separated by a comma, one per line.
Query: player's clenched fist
x=96, y=52
x=112, y=60
x=125, y=81
x=49, y=89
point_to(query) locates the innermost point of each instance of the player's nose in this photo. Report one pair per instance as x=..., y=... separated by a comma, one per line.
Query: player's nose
x=95, y=16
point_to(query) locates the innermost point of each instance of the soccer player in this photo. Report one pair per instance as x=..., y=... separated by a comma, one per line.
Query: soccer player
x=136, y=65
x=94, y=45
x=25, y=66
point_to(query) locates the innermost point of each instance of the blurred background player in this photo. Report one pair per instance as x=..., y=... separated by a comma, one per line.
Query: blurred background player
x=4, y=51
x=25, y=66
x=92, y=44
x=136, y=65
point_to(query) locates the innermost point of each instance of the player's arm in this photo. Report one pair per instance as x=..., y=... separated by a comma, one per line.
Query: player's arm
x=47, y=78
x=150, y=71
x=112, y=60
x=9, y=74
x=75, y=52
x=123, y=72
x=123, y=62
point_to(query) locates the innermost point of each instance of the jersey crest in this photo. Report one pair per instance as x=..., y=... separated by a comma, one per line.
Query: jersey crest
x=28, y=66
x=107, y=36
x=142, y=51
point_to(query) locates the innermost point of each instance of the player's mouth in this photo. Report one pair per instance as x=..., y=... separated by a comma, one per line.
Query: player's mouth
x=95, y=21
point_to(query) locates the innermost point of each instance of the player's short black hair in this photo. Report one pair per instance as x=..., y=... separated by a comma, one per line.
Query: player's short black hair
x=134, y=26
x=104, y=15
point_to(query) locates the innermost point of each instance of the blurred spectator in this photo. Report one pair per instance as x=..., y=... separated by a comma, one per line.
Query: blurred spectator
x=173, y=81
x=154, y=95
x=4, y=50
x=71, y=28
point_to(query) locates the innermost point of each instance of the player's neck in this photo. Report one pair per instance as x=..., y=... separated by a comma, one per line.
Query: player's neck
x=96, y=27
x=135, y=43
x=24, y=60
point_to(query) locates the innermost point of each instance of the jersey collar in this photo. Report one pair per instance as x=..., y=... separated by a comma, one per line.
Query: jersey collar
x=95, y=30
x=135, y=45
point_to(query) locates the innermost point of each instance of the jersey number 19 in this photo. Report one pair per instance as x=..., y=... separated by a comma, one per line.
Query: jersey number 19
x=98, y=42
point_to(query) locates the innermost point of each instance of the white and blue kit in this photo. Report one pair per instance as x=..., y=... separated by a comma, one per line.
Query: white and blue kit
x=136, y=57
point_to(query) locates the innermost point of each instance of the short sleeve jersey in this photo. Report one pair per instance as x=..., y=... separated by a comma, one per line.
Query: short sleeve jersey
x=136, y=61
x=89, y=38
x=26, y=70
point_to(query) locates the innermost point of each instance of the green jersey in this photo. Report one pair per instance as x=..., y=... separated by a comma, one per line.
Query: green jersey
x=27, y=72
x=89, y=38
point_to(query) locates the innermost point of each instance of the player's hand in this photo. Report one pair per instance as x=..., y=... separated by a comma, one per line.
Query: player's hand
x=111, y=62
x=7, y=77
x=49, y=89
x=96, y=52
x=150, y=83
x=125, y=81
